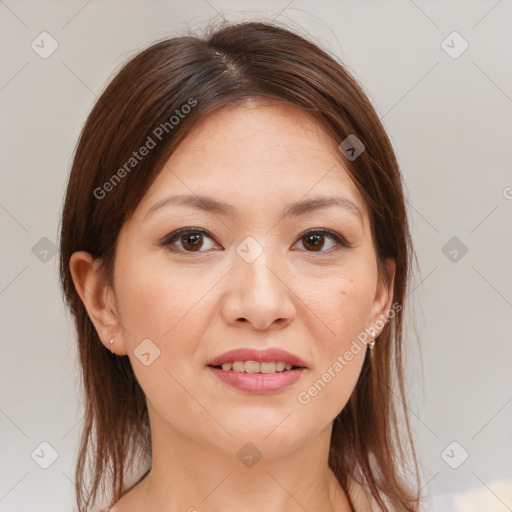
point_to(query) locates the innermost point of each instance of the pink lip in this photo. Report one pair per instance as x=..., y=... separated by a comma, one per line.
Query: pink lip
x=261, y=355
x=261, y=383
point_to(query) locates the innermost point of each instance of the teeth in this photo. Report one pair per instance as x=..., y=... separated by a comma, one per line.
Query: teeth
x=252, y=367
x=256, y=367
x=238, y=366
x=268, y=367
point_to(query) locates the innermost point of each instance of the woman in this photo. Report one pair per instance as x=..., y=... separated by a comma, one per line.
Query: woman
x=235, y=252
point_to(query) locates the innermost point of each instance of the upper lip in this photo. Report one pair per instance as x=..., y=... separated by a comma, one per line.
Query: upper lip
x=260, y=355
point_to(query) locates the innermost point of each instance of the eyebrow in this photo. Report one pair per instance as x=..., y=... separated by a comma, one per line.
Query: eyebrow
x=209, y=204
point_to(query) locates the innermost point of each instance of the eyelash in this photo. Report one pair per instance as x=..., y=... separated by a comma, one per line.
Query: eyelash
x=340, y=241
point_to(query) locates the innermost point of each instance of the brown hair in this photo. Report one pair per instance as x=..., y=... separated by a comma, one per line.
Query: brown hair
x=230, y=65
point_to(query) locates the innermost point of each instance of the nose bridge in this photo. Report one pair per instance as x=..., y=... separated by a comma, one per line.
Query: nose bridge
x=259, y=294
x=257, y=268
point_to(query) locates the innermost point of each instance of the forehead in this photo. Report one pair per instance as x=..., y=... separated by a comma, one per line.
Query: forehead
x=254, y=155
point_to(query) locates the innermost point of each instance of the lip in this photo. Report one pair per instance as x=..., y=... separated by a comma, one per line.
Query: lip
x=259, y=383
x=259, y=355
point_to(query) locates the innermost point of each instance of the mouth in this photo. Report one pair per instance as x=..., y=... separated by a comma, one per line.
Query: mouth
x=265, y=367
x=258, y=372
x=263, y=361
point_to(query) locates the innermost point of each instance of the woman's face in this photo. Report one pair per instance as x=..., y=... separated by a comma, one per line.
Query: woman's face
x=255, y=273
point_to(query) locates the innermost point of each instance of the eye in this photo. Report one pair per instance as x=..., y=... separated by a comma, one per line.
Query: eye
x=187, y=240
x=314, y=240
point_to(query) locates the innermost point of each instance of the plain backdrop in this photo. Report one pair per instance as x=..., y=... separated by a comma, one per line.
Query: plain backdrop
x=445, y=100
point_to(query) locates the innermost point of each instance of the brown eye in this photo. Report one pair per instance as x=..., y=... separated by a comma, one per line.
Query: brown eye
x=192, y=242
x=188, y=240
x=315, y=241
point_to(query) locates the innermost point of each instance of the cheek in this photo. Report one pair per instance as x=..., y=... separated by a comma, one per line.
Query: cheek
x=169, y=309
x=339, y=355
x=345, y=301
x=344, y=306
x=153, y=298
x=169, y=306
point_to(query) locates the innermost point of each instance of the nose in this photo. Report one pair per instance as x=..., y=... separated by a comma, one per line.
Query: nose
x=259, y=294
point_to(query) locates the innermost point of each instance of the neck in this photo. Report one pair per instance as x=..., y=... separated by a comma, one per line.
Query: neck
x=193, y=476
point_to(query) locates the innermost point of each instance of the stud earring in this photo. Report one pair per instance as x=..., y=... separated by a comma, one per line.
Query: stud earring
x=111, y=346
x=371, y=344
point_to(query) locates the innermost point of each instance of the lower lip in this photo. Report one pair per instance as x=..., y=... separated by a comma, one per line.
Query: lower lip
x=261, y=383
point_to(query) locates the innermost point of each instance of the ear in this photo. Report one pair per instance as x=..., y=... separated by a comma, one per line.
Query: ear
x=98, y=299
x=383, y=296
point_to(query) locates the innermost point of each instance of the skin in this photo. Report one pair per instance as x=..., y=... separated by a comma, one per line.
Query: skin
x=193, y=306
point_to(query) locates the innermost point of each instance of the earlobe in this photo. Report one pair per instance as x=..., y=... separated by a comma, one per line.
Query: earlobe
x=97, y=298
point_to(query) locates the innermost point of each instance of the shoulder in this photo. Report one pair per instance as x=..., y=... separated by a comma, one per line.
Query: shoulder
x=358, y=497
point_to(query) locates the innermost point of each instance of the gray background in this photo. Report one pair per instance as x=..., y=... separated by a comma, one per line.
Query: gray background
x=449, y=120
